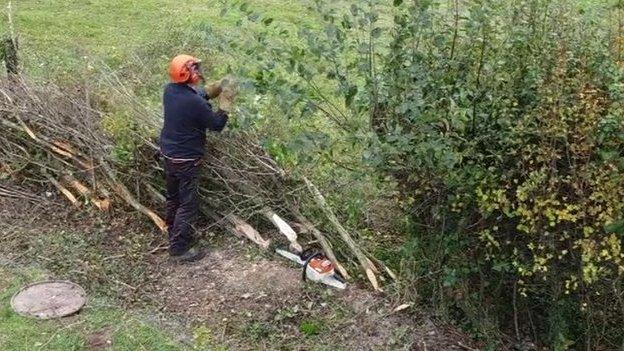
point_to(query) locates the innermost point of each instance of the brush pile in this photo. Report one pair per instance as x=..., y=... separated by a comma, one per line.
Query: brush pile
x=54, y=137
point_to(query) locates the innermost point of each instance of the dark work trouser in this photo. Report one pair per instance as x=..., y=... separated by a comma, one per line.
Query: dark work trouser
x=182, y=203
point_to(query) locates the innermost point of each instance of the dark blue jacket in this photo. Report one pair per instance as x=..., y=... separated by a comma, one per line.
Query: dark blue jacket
x=187, y=117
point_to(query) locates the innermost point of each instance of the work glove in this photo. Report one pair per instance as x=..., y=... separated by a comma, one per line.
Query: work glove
x=214, y=89
x=229, y=91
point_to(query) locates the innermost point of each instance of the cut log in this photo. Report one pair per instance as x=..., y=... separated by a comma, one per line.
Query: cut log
x=284, y=228
x=245, y=229
x=367, y=266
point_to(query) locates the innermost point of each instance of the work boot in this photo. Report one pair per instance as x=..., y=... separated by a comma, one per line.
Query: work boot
x=191, y=255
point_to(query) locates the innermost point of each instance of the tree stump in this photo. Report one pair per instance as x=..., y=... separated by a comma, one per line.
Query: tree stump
x=9, y=50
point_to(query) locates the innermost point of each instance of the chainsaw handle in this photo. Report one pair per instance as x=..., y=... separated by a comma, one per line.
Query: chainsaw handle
x=307, y=262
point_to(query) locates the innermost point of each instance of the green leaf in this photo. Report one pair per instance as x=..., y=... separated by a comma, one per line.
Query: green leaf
x=397, y=2
x=376, y=33
x=615, y=227
x=350, y=95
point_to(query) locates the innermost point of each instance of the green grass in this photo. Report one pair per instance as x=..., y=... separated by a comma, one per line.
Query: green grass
x=127, y=331
x=64, y=36
x=310, y=328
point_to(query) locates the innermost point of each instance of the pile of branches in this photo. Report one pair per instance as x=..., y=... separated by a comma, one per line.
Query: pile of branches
x=56, y=137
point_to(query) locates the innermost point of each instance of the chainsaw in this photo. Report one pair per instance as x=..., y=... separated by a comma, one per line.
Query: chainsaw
x=316, y=267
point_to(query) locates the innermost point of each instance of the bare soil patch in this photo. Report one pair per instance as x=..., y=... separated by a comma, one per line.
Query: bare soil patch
x=265, y=299
x=100, y=340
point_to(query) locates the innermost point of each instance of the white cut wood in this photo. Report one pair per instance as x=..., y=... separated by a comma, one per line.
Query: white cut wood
x=243, y=228
x=284, y=228
x=68, y=194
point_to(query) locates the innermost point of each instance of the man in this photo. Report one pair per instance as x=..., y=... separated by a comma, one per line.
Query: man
x=188, y=115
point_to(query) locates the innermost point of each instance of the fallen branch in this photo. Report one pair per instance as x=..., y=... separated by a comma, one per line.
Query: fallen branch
x=324, y=244
x=284, y=228
x=245, y=229
x=368, y=267
x=237, y=227
x=68, y=194
x=129, y=198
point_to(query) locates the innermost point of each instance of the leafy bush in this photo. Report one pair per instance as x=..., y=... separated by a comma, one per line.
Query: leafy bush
x=506, y=130
x=503, y=123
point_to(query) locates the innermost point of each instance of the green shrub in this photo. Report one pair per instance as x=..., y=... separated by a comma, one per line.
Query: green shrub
x=503, y=123
x=507, y=133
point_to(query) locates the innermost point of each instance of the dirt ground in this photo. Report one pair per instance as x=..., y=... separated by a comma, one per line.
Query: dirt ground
x=237, y=297
x=235, y=293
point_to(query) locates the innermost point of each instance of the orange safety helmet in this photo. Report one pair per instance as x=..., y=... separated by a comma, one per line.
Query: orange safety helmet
x=185, y=69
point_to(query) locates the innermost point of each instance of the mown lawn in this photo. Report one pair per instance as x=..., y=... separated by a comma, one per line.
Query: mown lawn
x=61, y=36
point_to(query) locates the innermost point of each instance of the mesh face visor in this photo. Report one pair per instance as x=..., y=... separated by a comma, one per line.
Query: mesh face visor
x=196, y=69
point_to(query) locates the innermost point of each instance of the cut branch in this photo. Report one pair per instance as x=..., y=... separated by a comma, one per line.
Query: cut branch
x=68, y=194
x=237, y=227
x=125, y=194
x=243, y=228
x=102, y=204
x=368, y=267
x=284, y=228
